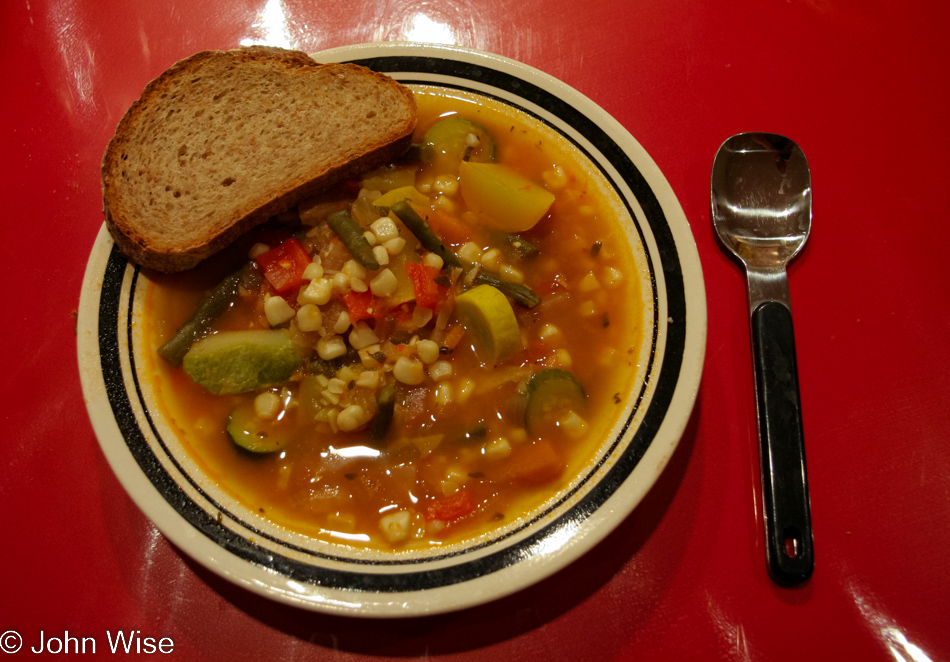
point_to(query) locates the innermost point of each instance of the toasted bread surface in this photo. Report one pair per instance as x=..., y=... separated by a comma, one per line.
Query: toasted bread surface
x=223, y=140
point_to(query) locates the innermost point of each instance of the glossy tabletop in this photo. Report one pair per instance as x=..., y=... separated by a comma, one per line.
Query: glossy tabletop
x=860, y=86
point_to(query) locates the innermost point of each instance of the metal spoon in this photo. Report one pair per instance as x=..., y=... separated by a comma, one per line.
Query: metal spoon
x=761, y=209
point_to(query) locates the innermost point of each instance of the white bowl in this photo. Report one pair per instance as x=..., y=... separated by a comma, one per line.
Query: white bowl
x=241, y=546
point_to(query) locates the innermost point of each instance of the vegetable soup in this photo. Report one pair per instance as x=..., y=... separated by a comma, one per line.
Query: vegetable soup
x=419, y=357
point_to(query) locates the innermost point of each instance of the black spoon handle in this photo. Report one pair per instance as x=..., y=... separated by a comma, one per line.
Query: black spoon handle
x=789, y=546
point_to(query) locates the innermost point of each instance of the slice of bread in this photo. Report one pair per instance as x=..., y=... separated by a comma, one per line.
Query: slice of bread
x=223, y=140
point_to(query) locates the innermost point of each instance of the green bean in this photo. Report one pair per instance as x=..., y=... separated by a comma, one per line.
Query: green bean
x=429, y=240
x=521, y=294
x=523, y=247
x=476, y=434
x=209, y=309
x=351, y=234
x=385, y=406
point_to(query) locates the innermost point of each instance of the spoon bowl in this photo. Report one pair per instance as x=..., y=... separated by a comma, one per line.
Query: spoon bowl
x=761, y=210
x=762, y=198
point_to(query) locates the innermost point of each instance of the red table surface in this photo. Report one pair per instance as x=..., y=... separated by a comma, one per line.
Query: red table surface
x=861, y=86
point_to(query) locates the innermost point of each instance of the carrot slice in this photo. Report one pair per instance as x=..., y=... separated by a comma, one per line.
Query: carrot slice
x=536, y=463
x=451, y=229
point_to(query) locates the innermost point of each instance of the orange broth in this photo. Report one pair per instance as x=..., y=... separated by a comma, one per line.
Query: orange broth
x=457, y=461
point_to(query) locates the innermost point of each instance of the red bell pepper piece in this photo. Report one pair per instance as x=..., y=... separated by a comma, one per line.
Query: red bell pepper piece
x=360, y=305
x=284, y=266
x=456, y=505
x=429, y=294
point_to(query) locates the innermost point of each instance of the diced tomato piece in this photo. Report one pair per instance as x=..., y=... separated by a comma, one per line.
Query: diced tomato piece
x=284, y=266
x=452, y=507
x=389, y=318
x=429, y=294
x=360, y=305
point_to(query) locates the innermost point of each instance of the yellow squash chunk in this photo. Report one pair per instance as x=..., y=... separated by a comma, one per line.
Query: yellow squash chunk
x=507, y=200
x=487, y=315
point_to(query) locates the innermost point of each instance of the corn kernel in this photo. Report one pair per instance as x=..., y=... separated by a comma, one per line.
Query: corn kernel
x=362, y=336
x=278, y=311
x=384, y=284
x=354, y=269
x=440, y=370
x=449, y=487
x=318, y=292
x=309, y=318
x=368, y=379
x=394, y=246
x=446, y=184
x=257, y=250
x=443, y=393
x=613, y=278
x=573, y=424
x=313, y=271
x=588, y=283
x=491, y=258
x=466, y=388
x=408, y=371
x=351, y=418
x=587, y=309
x=470, y=252
x=562, y=358
x=342, y=323
x=267, y=404
x=385, y=229
x=331, y=347
x=395, y=526
x=341, y=282
x=555, y=178
x=366, y=356
x=512, y=274
x=497, y=448
x=428, y=351
x=548, y=331
x=381, y=255
x=433, y=260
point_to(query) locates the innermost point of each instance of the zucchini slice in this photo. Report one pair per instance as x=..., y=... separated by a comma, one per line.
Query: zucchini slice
x=456, y=139
x=253, y=433
x=241, y=361
x=552, y=394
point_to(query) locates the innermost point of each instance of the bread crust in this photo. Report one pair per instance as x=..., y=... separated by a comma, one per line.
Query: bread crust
x=143, y=237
